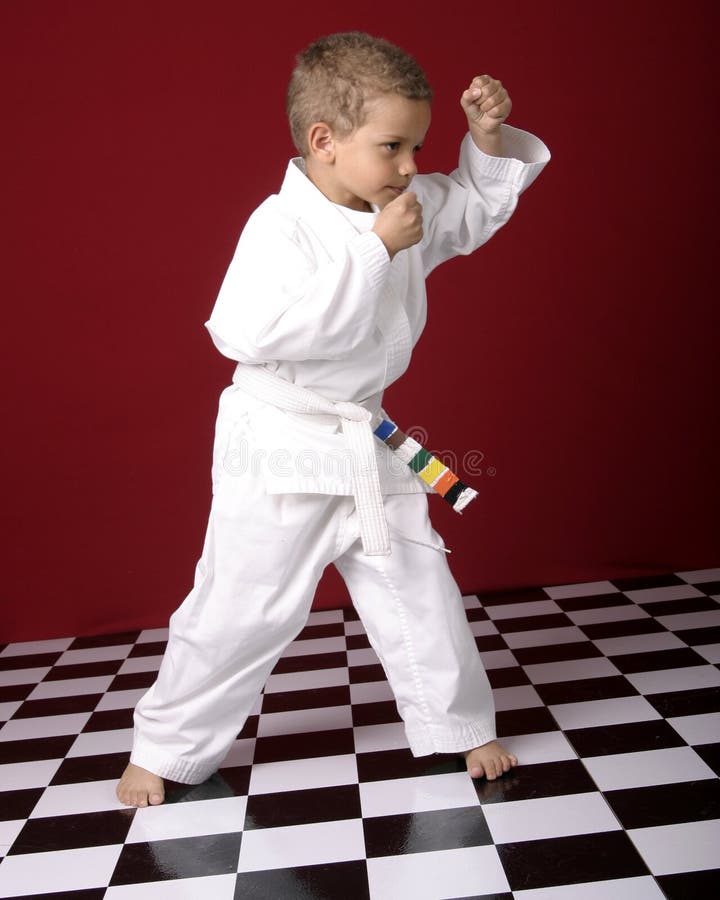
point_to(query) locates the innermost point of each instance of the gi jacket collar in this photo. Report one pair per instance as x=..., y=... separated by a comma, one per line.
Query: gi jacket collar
x=309, y=205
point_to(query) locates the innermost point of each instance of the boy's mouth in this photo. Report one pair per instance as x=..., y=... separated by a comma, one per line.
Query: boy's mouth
x=396, y=190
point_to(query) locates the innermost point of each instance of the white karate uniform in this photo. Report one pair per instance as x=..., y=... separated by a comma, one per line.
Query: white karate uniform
x=312, y=296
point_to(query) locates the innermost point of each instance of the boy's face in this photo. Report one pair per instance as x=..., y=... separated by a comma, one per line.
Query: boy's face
x=375, y=163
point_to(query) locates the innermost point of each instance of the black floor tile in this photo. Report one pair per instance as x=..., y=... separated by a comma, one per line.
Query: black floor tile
x=19, y=804
x=109, y=720
x=508, y=676
x=58, y=706
x=686, y=703
x=326, y=882
x=655, y=660
x=524, y=721
x=585, y=689
x=383, y=765
x=215, y=854
x=710, y=754
x=691, y=885
x=92, y=829
x=302, y=807
x=528, y=782
x=570, y=860
x=666, y=804
x=30, y=661
x=375, y=713
x=36, y=748
x=599, y=631
x=640, y=582
x=287, y=701
x=83, y=769
x=104, y=640
x=421, y=832
x=304, y=746
x=530, y=656
x=310, y=662
x=629, y=737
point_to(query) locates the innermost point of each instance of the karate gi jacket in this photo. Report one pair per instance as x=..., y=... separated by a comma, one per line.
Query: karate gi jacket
x=312, y=295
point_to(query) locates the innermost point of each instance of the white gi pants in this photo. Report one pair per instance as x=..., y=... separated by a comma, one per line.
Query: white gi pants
x=254, y=585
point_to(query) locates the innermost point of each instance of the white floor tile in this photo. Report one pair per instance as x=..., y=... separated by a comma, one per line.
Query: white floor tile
x=153, y=635
x=8, y=710
x=94, y=654
x=325, y=617
x=418, y=794
x=522, y=610
x=240, y=754
x=354, y=627
x=307, y=681
x=140, y=664
x=709, y=618
x=371, y=692
x=547, y=817
x=212, y=887
x=22, y=676
x=120, y=699
x=9, y=830
x=710, y=652
x=544, y=637
x=302, y=721
x=624, y=613
x=686, y=847
x=700, y=729
x=95, y=743
x=638, y=643
x=82, y=797
x=626, y=770
x=179, y=820
x=23, y=775
x=521, y=696
x=388, y=736
x=614, y=711
x=682, y=679
x=471, y=601
x=31, y=648
x=302, y=774
x=59, y=870
x=570, y=670
x=659, y=594
x=471, y=871
x=73, y=687
x=584, y=589
x=301, y=845
x=497, y=659
x=546, y=746
x=483, y=627
x=43, y=726
x=316, y=645
x=641, y=888
x=699, y=576
x=365, y=656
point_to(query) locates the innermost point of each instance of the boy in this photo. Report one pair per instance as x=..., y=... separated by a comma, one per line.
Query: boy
x=320, y=307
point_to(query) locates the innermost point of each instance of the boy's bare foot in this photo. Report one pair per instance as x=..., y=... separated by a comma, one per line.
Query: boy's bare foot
x=138, y=787
x=490, y=760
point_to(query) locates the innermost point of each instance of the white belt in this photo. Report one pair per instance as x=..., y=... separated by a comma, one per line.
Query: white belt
x=356, y=426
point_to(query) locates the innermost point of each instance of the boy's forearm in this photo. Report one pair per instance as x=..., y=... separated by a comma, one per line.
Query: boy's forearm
x=490, y=143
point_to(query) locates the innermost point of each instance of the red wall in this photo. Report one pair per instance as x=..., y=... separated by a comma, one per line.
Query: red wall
x=576, y=351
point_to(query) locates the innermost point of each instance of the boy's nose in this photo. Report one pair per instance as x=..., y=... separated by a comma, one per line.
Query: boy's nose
x=408, y=168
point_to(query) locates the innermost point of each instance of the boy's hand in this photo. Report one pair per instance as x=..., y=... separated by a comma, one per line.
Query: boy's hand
x=400, y=223
x=487, y=104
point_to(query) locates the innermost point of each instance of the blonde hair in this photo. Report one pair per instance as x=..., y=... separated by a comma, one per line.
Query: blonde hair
x=335, y=76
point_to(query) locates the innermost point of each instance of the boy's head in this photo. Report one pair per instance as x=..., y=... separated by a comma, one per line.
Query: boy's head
x=336, y=76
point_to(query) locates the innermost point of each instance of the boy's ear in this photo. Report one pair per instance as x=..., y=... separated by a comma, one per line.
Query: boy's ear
x=321, y=142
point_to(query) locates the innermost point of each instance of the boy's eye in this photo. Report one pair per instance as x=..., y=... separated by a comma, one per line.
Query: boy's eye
x=393, y=145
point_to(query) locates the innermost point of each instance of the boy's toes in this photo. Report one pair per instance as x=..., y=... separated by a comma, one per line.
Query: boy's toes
x=156, y=799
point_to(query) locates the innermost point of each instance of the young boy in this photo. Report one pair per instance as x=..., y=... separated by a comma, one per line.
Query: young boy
x=321, y=306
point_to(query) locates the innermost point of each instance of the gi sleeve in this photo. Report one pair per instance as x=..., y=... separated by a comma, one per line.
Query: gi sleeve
x=463, y=210
x=280, y=301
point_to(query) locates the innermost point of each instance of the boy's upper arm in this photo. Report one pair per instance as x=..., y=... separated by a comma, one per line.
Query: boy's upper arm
x=280, y=298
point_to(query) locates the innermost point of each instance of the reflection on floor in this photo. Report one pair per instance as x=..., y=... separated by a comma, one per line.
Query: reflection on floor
x=609, y=693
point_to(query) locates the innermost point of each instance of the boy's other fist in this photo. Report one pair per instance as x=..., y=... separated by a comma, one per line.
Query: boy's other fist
x=486, y=104
x=400, y=223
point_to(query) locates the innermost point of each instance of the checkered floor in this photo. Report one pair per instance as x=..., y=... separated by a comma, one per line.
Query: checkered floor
x=609, y=693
